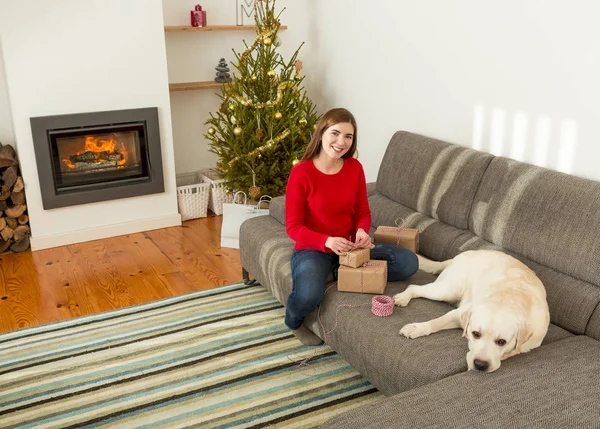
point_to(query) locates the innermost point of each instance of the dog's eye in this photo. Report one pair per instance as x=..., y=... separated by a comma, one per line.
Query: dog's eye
x=476, y=334
x=501, y=342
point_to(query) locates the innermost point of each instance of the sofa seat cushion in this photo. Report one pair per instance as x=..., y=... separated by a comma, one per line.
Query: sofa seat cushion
x=555, y=386
x=374, y=347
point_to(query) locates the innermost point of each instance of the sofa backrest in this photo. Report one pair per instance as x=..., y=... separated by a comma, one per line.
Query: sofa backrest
x=436, y=178
x=550, y=218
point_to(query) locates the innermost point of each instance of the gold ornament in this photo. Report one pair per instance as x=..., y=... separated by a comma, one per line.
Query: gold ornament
x=271, y=73
x=254, y=191
x=211, y=131
x=254, y=78
x=259, y=133
x=298, y=76
x=231, y=106
x=303, y=121
x=267, y=41
x=315, y=127
x=237, y=131
x=278, y=115
x=295, y=162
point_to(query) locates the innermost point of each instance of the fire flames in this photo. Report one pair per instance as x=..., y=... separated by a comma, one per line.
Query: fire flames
x=101, y=147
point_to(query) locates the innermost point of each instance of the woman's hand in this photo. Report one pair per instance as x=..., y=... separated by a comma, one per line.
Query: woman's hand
x=363, y=241
x=339, y=245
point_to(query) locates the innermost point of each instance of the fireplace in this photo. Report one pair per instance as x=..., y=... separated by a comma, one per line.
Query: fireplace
x=99, y=156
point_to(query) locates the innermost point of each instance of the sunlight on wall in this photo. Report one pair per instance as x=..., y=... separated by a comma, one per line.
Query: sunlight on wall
x=566, y=149
x=519, y=136
x=497, y=132
x=542, y=141
x=478, y=120
x=535, y=140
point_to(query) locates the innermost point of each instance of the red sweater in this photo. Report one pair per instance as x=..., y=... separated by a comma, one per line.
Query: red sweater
x=319, y=205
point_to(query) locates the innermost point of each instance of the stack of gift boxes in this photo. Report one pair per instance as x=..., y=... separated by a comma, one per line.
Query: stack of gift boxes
x=357, y=273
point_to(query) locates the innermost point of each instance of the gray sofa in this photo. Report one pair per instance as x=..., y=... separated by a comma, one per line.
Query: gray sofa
x=463, y=199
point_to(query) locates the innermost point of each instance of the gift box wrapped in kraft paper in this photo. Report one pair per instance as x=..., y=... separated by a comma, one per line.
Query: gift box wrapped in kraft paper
x=405, y=237
x=355, y=258
x=371, y=277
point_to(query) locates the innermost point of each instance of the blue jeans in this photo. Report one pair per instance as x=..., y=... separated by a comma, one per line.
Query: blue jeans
x=310, y=269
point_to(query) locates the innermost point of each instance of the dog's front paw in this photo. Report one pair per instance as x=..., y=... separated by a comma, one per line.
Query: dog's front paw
x=402, y=299
x=415, y=330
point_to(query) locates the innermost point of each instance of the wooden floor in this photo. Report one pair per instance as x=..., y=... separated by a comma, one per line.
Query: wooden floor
x=69, y=281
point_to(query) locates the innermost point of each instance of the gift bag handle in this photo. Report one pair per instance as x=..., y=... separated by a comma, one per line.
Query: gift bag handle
x=264, y=199
x=236, y=195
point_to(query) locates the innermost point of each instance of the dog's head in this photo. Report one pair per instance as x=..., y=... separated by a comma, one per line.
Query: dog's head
x=495, y=332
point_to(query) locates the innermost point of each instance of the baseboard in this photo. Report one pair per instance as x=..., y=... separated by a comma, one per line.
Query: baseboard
x=48, y=241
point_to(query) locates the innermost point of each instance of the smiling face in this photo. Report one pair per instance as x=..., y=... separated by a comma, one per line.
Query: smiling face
x=492, y=335
x=337, y=141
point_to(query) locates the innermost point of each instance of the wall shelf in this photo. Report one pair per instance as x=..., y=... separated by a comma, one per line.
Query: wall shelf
x=188, y=86
x=184, y=28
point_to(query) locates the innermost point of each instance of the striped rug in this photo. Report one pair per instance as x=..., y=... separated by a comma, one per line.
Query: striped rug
x=219, y=358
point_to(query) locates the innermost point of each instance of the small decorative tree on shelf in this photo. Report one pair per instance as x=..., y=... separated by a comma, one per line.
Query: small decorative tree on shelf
x=265, y=118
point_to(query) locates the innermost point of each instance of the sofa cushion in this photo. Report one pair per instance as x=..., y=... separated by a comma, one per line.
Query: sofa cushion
x=593, y=327
x=548, y=217
x=555, y=386
x=277, y=209
x=430, y=176
x=572, y=301
x=435, y=237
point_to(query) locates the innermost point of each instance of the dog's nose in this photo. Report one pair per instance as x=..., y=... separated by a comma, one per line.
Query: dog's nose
x=481, y=365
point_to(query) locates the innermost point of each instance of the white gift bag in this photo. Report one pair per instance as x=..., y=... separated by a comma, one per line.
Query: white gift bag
x=235, y=213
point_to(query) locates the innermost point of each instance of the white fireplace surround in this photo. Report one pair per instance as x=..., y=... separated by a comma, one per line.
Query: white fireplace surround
x=75, y=57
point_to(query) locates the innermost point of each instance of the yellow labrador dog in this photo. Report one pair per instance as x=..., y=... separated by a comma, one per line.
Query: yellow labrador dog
x=502, y=305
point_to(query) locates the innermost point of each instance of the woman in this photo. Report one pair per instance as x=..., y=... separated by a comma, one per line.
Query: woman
x=327, y=215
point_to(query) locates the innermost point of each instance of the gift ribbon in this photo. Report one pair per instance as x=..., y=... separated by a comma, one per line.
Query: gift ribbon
x=396, y=229
x=347, y=262
x=372, y=264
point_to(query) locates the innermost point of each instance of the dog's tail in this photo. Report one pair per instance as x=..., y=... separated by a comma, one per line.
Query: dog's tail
x=432, y=267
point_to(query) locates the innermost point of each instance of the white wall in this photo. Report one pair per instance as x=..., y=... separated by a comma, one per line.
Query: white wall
x=519, y=78
x=74, y=56
x=6, y=130
x=193, y=57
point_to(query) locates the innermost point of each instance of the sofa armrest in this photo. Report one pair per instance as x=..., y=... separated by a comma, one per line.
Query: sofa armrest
x=371, y=188
x=277, y=209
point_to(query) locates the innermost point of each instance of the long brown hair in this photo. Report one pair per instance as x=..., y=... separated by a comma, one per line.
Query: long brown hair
x=329, y=119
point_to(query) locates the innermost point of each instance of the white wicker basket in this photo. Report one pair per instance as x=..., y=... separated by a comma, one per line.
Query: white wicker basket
x=192, y=195
x=218, y=195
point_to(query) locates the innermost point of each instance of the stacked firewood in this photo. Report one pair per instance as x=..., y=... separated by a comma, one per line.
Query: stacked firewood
x=14, y=222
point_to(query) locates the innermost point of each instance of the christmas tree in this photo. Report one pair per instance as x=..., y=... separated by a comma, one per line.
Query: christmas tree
x=265, y=119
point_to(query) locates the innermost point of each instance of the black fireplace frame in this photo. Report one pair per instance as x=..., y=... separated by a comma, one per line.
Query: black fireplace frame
x=52, y=198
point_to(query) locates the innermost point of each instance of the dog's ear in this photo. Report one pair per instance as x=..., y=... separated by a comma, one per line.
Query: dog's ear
x=465, y=321
x=523, y=336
